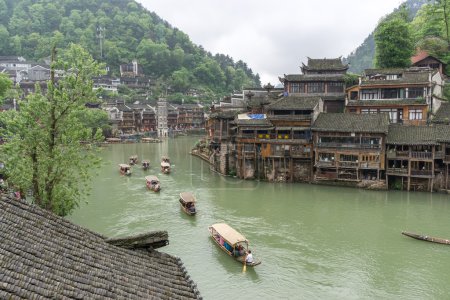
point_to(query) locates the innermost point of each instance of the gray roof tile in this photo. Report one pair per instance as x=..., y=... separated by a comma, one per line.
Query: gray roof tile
x=294, y=103
x=344, y=122
x=45, y=256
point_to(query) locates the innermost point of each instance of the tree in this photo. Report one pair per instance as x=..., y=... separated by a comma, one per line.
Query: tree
x=45, y=153
x=5, y=85
x=393, y=44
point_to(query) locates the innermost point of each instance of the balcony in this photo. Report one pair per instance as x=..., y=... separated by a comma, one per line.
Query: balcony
x=422, y=173
x=348, y=146
x=348, y=164
x=397, y=171
x=325, y=164
x=422, y=155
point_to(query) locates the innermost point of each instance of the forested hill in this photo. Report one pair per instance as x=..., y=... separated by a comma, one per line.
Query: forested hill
x=29, y=28
x=362, y=57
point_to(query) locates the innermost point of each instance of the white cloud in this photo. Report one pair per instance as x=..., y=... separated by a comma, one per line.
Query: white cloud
x=274, y=37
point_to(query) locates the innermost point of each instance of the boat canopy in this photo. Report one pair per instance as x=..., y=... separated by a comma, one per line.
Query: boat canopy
x=228, y=233
x=187, y=197
x=124, y=166
x=151, y=178
x=165, y=164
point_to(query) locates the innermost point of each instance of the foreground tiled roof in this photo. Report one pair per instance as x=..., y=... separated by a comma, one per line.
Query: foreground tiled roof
x=294, y=103
x=43, y=256
x=342, y=122
x=417, y=135
x=443, y=114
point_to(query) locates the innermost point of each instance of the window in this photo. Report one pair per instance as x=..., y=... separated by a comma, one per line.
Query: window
x=415, y=93
x=369, y=111
x=296, y=87
x=393, y=114
x=335, y=87
x=390, y=93
x=316, y=87
x=369, y=94
x=345, y=157
x=415, y=114
x=391, y=77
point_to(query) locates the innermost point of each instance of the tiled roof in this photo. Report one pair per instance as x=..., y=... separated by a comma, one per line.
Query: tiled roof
x=325, y=64
x=386, y=71
x=253, y=122
x=44, y=256
x=443, y=114
x=417, y=135
x=343, y=122
x=294, y=103
x=386, y=102
x=421, y=56
x=225, y=114
x=314, y=77
x=409, y=76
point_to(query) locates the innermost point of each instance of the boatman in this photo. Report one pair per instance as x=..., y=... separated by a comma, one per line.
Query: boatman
x=249, y=258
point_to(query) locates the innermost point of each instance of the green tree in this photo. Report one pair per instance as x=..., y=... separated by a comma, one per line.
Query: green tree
x=393, y=44
x=44, y=153
x=5, y=85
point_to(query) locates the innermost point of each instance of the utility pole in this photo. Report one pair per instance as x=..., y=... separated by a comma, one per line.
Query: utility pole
x=100, y=37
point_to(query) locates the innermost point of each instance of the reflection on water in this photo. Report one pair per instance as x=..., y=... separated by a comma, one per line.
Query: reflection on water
x=315, y=242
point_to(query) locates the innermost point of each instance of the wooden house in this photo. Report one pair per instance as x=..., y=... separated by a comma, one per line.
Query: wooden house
x=277, y=146
x=349, y=147
x=423, y=59
x=407, y=95
x=320, y=77
x=416, y=155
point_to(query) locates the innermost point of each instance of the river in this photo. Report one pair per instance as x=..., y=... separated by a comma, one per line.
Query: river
x=315, y=242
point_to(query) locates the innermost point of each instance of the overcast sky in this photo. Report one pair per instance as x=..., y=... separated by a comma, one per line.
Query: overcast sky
x=274, y=37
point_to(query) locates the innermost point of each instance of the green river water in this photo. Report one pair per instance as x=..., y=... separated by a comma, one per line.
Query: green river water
x=315, y=242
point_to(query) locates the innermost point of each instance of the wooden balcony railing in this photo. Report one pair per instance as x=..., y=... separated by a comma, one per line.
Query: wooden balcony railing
x=348, y=164
x=351, y=146
x=422, y=172
x=422, y=155
x=400, y=171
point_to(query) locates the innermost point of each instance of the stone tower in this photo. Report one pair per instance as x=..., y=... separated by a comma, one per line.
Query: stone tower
x=163, y=129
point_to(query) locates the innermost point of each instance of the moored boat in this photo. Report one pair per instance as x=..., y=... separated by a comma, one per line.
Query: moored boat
x=133, y=159
x=232, y=242
x=145, y=164
x=165, y=165
x=187, y=202
x=125, y=169
x=153, y=183
x=426, y=238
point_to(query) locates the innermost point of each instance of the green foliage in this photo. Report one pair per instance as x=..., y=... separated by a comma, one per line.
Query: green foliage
x=393, y=44
x=5, y=85
x=29, y=28
x=363, y=56
x=45, y=153
x=446, y=92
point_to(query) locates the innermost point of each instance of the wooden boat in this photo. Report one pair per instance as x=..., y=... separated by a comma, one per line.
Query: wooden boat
x=187, y=202
x=426, y=238
x=125, y=169
x=165, y=165
x=133, y=159
x=150, y=140
x=153, y=183
x=145, y=164
x=232, y=242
